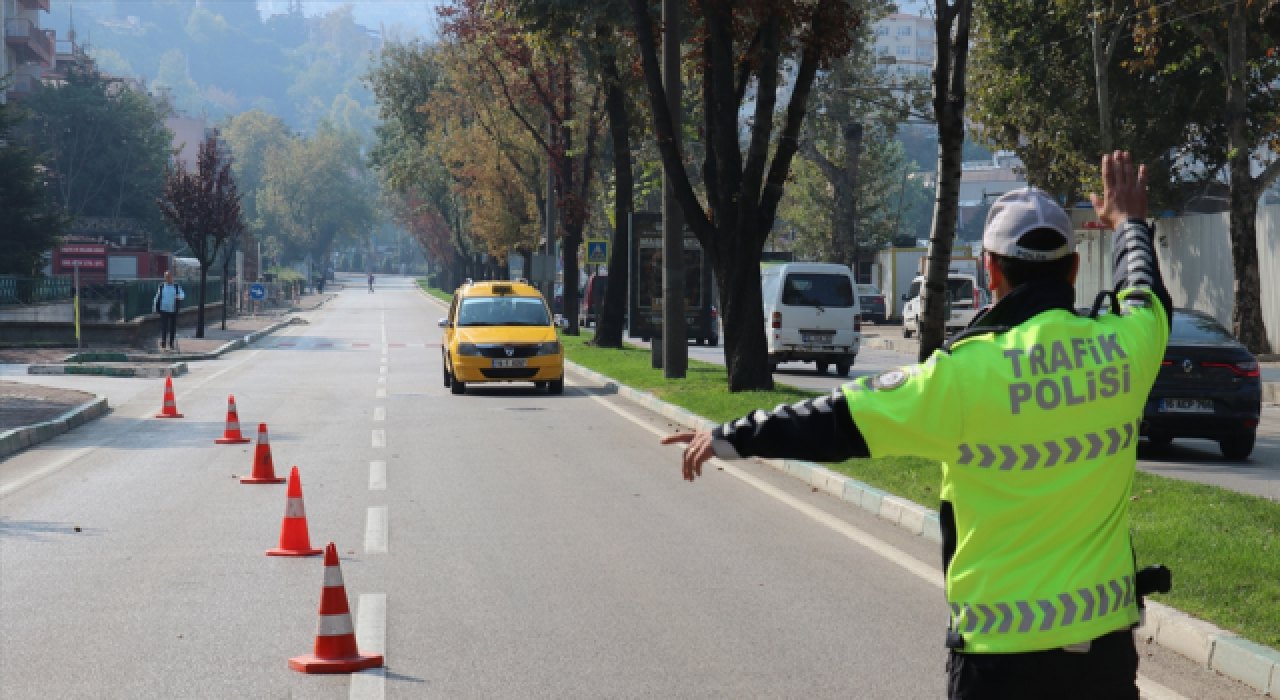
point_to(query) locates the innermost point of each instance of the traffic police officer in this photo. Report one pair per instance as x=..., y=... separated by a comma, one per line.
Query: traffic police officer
x=1034, y=413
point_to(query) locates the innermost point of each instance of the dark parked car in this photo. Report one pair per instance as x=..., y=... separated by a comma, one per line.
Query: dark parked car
x=871, y=302
x=1209, y=386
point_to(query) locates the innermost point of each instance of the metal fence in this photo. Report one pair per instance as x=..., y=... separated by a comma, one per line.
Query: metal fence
x=33, y=290
x=139, y=295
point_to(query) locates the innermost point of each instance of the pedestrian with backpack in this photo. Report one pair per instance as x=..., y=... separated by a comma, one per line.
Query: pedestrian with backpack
x=168, y=301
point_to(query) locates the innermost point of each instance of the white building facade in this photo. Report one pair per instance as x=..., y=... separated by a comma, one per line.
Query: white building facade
x=906, y=45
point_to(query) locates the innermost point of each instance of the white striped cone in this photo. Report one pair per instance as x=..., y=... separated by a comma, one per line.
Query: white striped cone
x=335, y=650
x=170, y=407
x=231, y=435
x=294, y=539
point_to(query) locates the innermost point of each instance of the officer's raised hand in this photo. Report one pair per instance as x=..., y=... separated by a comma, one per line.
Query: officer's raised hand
x=1124, y=191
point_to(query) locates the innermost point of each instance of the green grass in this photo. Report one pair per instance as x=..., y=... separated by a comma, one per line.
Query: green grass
x=435, y=292
x=1223, y=546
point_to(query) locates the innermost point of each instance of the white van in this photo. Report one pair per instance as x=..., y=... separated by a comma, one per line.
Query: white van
x=965, y=295
x=811, y=314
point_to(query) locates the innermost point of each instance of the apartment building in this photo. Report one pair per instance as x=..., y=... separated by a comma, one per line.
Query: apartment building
x=906, y=45
x=28, y=49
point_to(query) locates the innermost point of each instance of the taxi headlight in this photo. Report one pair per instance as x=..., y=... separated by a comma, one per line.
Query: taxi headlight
x=469, y=349
x=552, y=348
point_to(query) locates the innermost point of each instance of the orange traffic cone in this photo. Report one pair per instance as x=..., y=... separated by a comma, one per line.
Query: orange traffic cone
x=264, y=470
x=336, y=650
x=170, y=409
x=231, y=435
x=294, y=540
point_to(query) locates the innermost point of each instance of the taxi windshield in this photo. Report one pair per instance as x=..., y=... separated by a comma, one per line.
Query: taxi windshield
x=503, y=311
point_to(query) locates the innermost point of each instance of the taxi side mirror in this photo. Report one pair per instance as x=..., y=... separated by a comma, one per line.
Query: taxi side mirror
x=564, y=323
x=443, y=323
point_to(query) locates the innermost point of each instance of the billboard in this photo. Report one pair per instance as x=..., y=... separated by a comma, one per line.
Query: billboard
x=645, y=303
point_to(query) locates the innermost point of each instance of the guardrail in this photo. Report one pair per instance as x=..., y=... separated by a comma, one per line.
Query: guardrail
x=16, y=290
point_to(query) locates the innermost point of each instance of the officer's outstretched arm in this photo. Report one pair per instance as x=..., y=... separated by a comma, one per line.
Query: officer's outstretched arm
x=819, y=429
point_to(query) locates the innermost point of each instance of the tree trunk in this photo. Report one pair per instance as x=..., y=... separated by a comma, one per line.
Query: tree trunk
x=204, y=275
x=746, y=353
x=609, y=323
x=675, y=344
x=948, y=106
x=847, y=194
x=1247, y=323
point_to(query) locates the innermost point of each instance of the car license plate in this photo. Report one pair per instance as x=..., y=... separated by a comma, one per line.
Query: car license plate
x=510, y=363
x=819, y=339
x=1186, y=405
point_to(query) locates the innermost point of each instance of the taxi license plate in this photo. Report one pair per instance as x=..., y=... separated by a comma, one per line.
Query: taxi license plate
x=510, y=363
x=819, y=339
x=1186, y=405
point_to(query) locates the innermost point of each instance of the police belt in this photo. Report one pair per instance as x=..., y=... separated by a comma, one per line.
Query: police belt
x=1153, y=579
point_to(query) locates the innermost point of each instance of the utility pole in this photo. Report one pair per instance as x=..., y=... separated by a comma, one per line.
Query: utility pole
x=674, y=344
x=550, y=291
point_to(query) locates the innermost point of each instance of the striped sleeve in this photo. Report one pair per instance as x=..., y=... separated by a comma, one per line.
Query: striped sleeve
x=1136, y=268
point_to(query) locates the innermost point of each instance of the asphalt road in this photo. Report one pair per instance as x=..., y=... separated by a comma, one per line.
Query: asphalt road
x=501, y=544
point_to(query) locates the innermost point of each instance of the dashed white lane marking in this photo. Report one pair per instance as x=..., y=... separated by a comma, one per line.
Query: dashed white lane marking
x=377, y=475
x=375, y=531
x=382, y=370
x=380, y=413
x=1150, y=689
x=371, y=637
x=384, y=360
x=380, y=394
x=379, y=438
x=382, y=379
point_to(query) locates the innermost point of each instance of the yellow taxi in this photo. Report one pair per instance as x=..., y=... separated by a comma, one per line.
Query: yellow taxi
x=501, y=332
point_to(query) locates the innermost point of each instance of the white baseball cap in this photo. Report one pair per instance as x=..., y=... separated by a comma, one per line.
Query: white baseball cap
x=1020, y=211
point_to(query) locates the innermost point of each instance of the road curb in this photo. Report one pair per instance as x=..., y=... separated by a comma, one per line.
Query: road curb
x=1216, y=649
x=175, y=369
x=21, y=438
x=184, y=356
x=1271, y=392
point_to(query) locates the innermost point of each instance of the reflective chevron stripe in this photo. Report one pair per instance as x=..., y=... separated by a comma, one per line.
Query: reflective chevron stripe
x=1029, y=455
x=1052, y=612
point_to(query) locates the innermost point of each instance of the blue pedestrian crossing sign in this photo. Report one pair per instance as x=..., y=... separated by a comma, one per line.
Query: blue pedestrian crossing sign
x=598, y=252
x=257, y=291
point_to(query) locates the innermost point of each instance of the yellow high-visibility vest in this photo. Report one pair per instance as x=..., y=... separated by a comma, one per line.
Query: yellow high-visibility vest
x=1037, y=429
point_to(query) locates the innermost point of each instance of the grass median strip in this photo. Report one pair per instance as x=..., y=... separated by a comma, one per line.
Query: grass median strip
x=1223, y=546
x=435, y=292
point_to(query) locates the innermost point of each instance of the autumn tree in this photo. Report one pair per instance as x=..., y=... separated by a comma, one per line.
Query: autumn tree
x=203, y=208
x=597, y=31
x=540, y=80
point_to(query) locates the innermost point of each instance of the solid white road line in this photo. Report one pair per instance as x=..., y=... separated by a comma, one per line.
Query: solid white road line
x=379, y=438
x=380, y=394
x=371, y=638
x=380, y=413
x=377, y=475
x=375, y=530
x=1150, y=689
